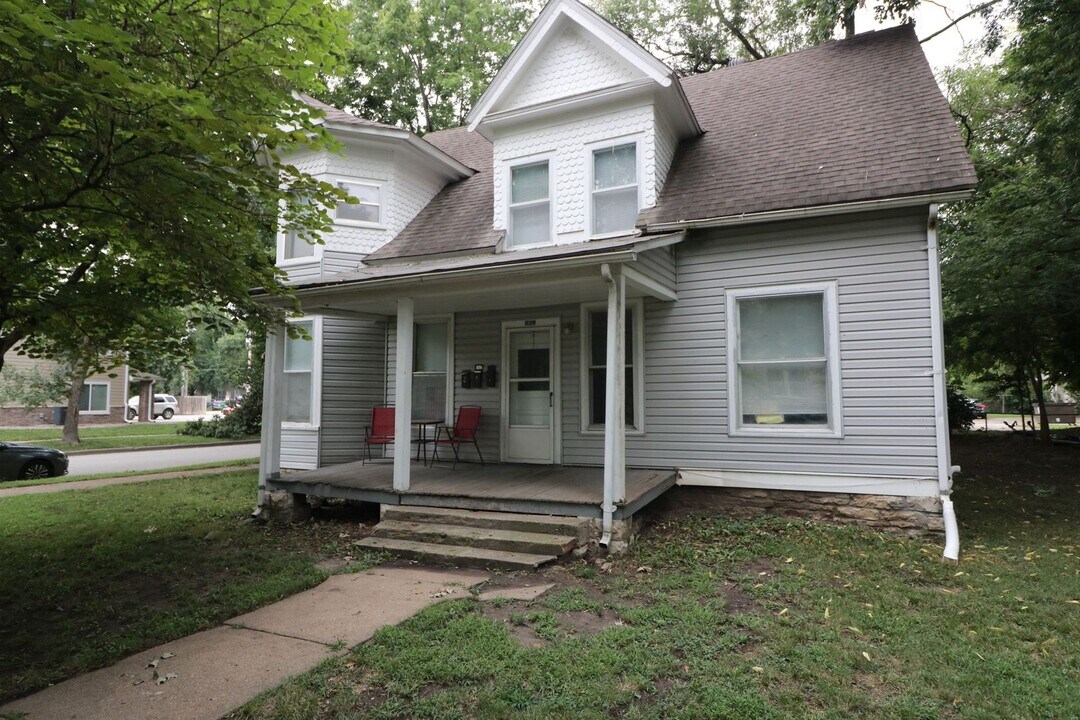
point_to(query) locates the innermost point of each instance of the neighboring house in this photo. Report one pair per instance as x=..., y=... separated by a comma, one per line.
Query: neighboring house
x=103, y=399
x=769, y=230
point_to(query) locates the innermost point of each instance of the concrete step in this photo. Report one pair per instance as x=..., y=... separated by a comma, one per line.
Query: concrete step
x=578, y=527
x=490, y=538
x=459, y=555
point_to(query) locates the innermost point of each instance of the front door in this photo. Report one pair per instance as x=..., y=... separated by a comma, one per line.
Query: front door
x=529, y=393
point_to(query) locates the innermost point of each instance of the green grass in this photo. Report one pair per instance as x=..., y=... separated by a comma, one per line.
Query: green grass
x=89, y=577
x=109, y=437
x=834, y=623
x=130, y=473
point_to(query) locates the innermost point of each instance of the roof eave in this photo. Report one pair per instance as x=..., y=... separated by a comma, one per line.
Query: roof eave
x=417, y=143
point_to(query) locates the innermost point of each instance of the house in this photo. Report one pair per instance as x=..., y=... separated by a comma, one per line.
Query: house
x=103, y=400
x=727, y=282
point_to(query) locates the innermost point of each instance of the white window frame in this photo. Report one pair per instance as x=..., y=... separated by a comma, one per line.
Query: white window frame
x=835, y=427
x=283, y=233
x=108, y=398
x=316, y=375
x=638, y=307
x=379, y=185
x=451, y=371
x=508, y=167
x=590, y=171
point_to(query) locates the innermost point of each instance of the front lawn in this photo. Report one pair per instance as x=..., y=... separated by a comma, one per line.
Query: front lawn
x=136, y=435
x=714, y=618
x=88, y=577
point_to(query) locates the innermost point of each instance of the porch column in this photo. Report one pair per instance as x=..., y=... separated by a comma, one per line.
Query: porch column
x=614, y=410
x=403, y=394
x=273, y=407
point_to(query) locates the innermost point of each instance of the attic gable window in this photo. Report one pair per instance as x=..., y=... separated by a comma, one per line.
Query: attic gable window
x=614, y=189
x=530, y=205
x=367, y=211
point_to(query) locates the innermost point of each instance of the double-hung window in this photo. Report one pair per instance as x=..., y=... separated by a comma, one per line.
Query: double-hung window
x=614, y=189
x=294, y=246
x=431, y=359
x=783, y=360
x=530, y=205
x=94, y=398
x=594, y=364
x=367, y=211
x=300, y=375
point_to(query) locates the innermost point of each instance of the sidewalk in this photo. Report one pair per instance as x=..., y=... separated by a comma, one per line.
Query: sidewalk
x=103, y=482
x=206, y=675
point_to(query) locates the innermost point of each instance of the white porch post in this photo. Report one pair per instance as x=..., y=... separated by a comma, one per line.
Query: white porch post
x=614, y=410
x=273, y=407
x=403, y=394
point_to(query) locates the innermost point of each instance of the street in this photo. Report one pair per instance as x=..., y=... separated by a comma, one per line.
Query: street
x=157, y=458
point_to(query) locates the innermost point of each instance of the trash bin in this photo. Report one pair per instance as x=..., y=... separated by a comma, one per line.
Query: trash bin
x=59, y=415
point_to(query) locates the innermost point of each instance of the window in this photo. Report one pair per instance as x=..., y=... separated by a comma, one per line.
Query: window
x=299, y=375
x=295, y=246
x=614, y=189
x=594, y=364
x=530, y=205
x=94, y=398
x=364, y=212
x=431, y=359
x=784, y=359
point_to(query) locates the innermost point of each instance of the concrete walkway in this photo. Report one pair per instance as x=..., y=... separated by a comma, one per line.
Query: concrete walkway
x=103, y=482
x=204, y=676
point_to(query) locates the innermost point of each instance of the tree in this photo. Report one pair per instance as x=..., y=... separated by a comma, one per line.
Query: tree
x=422, y=64
x=702, y=35
x=141, y=157
x=1011, y=255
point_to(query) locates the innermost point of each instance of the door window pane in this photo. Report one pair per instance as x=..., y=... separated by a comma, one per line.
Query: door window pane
x=429, y=380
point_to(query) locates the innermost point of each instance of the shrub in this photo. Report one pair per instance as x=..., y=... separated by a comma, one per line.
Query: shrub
x=961, y=413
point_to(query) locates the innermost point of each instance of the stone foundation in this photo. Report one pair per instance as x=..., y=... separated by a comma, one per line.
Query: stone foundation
x=279, y=506
x=42, y=417
x=898, y=515
x=623, y=532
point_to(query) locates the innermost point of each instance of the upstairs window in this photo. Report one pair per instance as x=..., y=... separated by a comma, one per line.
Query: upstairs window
x=367, y=211
x=530, y=205
x=614, y=189
x=295, y=246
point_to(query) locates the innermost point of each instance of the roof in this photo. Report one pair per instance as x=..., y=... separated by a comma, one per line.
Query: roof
x=851, y=120
x=335, y=115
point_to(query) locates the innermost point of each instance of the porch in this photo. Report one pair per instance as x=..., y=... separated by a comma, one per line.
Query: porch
x=534, y=489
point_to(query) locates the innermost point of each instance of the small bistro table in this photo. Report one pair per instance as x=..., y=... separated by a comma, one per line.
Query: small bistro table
x=422, y=439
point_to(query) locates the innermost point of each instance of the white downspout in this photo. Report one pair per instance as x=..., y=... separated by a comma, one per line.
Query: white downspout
x=941, y=419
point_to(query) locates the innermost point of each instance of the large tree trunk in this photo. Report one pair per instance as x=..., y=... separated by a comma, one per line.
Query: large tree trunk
x=71, y=422
x=1040, y=398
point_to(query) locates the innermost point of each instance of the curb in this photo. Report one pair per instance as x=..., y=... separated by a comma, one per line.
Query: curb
x=71, y=453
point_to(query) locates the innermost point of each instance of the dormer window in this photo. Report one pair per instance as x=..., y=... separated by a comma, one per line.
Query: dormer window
x=365, y=212
x=530, y=205
x=614, y=189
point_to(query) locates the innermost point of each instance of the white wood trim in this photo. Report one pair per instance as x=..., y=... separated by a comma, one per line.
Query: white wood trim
x=810, y=482
x=555, y=324
x=638, y=140
x=316, y=375
x=403, y=393
x=585, y=427
x=835, y=428
x=647, y=284
x=273, y=408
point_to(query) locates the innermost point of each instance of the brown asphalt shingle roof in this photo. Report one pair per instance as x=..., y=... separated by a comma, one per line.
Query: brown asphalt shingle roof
x=851, y=120
x=334, y=115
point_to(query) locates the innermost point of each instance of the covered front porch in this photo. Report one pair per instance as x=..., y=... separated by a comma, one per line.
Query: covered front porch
x=505, y=487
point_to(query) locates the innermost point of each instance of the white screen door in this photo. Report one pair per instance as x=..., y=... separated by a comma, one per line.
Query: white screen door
x=529, y=418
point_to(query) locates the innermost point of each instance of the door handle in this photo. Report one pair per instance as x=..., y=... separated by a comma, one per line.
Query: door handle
x=551, y=399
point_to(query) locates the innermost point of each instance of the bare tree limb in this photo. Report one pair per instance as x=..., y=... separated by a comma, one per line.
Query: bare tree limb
x=969, y=13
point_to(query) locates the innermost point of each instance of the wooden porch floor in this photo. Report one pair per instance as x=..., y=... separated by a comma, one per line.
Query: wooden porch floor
x=545, y=489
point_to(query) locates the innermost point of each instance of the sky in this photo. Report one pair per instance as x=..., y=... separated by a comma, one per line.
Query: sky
x=946, y=49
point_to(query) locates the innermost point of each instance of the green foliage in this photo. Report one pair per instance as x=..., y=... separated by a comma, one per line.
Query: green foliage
x=33, y=388
x=422, y=64
x=1011, y=255
x=961, y=413
x=245, y=419
x=141, y=158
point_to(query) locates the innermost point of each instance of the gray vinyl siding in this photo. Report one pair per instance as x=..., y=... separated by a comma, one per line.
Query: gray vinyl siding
x=303, y=271
x=336, y=261
x=299, y=448
x=353, y=381
x=880, y=265
x=660, y=265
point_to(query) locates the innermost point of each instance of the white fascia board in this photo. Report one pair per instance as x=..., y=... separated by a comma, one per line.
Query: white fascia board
x=426, y=150
x=812, y=211
x=811, y=482
x=534, y=39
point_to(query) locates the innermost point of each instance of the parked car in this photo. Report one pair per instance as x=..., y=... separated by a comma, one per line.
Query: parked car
x=978, y=408
x=165, y=406
x=31, y=462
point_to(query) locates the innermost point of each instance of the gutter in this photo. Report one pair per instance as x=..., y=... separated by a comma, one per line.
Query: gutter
x=810, y=211
x=945, y=469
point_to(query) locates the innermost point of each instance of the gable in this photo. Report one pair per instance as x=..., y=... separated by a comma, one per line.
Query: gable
x=572, y=62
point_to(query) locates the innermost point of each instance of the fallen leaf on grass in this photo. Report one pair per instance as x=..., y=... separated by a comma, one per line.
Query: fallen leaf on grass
x=168, y=655
x=152, y=664
x=644, y=569
x=758, y=669
x=866, y=655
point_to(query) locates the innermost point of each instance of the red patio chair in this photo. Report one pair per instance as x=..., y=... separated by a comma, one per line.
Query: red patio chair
x=464, y=431
x=380, y=431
